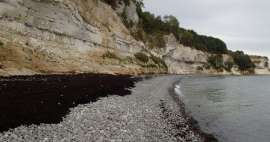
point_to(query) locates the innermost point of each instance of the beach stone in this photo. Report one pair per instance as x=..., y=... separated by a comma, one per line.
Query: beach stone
x=150, y=113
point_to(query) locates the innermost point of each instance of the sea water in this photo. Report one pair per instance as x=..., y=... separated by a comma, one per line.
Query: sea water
x=234, y=109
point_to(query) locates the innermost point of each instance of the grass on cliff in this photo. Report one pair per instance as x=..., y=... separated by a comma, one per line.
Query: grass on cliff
x=150, y=61
x=158, y=61
x=110, y=55
x=1, y=44
x=142, y=57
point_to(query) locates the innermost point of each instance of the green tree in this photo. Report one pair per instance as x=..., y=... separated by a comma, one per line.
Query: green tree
x=171, y=22
x=154, y=25
x=243, y=61
x=216, y=61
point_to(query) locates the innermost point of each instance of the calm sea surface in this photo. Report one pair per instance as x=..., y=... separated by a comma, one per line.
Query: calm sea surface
x=234, y=109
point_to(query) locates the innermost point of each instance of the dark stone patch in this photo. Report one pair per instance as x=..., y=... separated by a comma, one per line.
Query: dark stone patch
x=27, y=100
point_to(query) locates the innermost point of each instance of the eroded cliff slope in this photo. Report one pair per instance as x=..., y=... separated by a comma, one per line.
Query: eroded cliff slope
x=61, y=36
x=82, y=36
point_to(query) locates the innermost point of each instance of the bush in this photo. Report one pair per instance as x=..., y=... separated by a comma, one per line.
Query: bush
x=152, y=25
x=243, y=61
x=207, y=66
x=158, y=61
x=111, y=55
x=199, y=68
x=139, y=35
x=1, y=44
x=142, y=57
x=216, y=61
x=228, y=66
x=201, y=42
x=114, y=3
x=128, y=60
x=266, y=64
x=156, y=40
x=127, y=23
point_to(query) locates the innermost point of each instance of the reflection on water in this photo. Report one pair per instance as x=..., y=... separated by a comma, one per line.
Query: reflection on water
x=235, y=109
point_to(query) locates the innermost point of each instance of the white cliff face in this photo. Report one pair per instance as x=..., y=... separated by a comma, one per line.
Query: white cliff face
x=181, y=59
x=47, y=21
x=186, y=60
x=62, y=36
x=261, y=64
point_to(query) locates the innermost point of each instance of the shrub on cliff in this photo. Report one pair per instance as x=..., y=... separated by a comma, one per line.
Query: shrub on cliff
x=228, y=65
x=142, y=57
x=158, y=61
x=156, y=40
x=114, y=3
x=201, y=42
x=266, y=64
x=199, y=68
x=127, y=23
x=110, y=55
x=152, y=25
x=243, y=61
x=1, y=44
x=216, y=61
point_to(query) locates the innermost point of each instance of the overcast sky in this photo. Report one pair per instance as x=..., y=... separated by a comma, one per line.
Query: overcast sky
x=242, y=24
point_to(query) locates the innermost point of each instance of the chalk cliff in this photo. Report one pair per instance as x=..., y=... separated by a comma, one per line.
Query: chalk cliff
x=261, y=64
x=62, y=36
x=82, y=36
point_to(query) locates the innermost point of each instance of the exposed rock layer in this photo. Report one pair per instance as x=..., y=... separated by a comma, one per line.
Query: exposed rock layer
x=66, y=36
x=72, y=36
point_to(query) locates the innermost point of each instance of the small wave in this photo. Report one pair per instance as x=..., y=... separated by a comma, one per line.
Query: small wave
x=177, y=90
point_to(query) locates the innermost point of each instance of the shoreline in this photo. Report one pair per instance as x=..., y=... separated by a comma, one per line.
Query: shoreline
x=125, y=74
x=166, y=109
x=208, y=137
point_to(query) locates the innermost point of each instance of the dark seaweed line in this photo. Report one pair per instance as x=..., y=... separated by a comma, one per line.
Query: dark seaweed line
x=27, y=100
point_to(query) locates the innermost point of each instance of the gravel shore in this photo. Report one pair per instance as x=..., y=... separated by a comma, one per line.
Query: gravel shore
x=150, y=113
